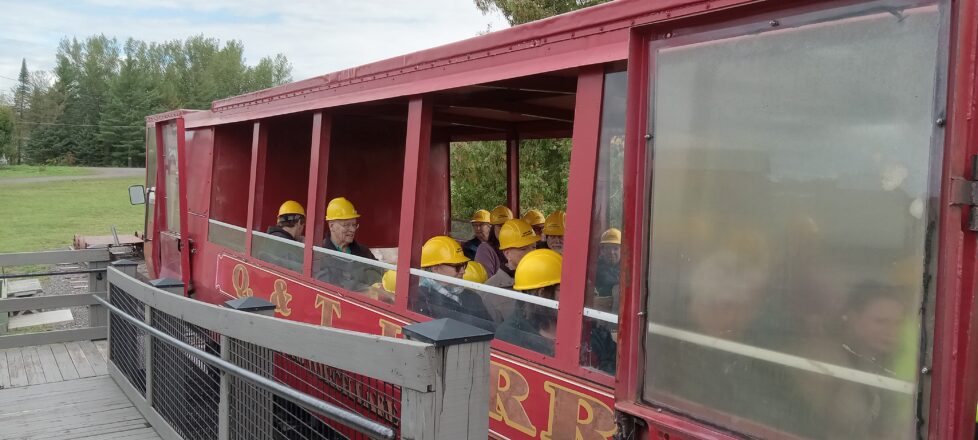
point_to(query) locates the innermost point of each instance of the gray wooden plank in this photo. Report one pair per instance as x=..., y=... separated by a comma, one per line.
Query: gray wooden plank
x=32, y=366
x=65, y=366
x=4, y=373
x=133, y=434
x=103, y=348
x=54, y=257
x=44, y=338
x=92, y=422
x=47, y=302
x=49, y=364
x=94, y=357
x=15, y=364
x=83, y=386
x=78, y=358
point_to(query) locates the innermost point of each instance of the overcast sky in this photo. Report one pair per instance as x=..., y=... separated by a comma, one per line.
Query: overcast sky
x=318, y=37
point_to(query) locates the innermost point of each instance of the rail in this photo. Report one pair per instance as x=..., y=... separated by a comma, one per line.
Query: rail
x=96, y=261
x=200, y=371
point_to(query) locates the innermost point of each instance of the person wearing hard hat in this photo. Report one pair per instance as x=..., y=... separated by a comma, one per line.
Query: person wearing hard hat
x=475, y=273
x=608, y=273
x=482, y=231
x=553, y=229
x=488, y=253
x=516, y=239
x=533, y=326
x=535, y=218
x=291, y=221
x=384, y=290
x=443, y=255
x=341, y=218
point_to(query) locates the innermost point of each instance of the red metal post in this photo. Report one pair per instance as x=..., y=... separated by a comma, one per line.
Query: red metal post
x=409, y=240
x=954, y=388
x=184, y=224
x=316, y=201
x=259, y=147
x=580, y=200
x=513, y=173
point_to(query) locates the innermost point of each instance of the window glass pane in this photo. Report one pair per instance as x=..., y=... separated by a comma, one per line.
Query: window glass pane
x=172, y=177
x=598, y=344
x=354, y=273
x=788, y=225
x=229, y=236
x=151, y=156
x=277, y=250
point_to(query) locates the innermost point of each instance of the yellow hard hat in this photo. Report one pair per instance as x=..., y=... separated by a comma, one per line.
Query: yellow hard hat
x=475, y=272
x=500, y=214
x=612, y=236
x=340, y=209
x=516, y=234
x=441, y=250
x=291, y=207
x=555, y=223
x=533, y=217
x=389, y=281
x=480, y=216
x=539, y=268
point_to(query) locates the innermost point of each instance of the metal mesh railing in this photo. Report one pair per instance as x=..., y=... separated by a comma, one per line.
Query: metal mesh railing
x=374, y=399
x=127, y=342
x=186, y=390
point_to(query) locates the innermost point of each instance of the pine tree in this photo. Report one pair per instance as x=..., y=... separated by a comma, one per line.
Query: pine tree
x=20, y=109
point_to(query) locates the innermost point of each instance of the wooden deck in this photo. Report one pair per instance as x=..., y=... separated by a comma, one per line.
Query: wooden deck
x=63, y=391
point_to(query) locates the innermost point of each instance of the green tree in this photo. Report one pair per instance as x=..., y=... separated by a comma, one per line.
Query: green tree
x=478, y=177
x=6, y=132
x=20, y=108
x=524, y=11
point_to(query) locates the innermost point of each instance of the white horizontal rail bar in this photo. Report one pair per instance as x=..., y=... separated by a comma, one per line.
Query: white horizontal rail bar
x=788, y=360
x=226, y=225
x=542, y=302
x=409, y=364
x=600, y=315
x=286, y=241
x=356, y=258
x=54, y=257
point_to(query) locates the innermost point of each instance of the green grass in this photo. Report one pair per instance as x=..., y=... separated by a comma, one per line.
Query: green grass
x=41, y=216
x=14, y=171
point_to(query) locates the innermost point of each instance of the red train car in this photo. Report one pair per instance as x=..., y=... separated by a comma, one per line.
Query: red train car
x=793, y=182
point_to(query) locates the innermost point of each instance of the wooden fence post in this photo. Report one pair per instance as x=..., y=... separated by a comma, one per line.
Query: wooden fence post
x=457, y=407
x=98, y=285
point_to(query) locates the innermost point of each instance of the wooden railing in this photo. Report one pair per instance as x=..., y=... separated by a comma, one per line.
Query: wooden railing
x=95, y=262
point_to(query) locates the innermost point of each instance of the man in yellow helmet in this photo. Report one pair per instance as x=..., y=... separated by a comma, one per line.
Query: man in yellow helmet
x=443, y=255
x=482, y=230
x=608, y=272
x=516, y=239
x=488, y=253
x=475, y=273
x=291, y=221
x=553, y=228
x=535, y=218
x=341, y=218
x=533, y=326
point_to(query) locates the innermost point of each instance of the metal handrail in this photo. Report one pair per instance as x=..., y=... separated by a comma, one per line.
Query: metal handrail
x=348, y=418
x=357, y=258
x=51, y=274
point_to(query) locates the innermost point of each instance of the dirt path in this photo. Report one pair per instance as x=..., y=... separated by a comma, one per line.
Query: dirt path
x=96, y=173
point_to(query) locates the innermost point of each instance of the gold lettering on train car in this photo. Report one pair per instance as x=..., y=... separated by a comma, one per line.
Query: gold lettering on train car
x=240, y=281
x=328, y=308
x=388, y=328
x=566, y=408
x=506, y=396
x=281, y=298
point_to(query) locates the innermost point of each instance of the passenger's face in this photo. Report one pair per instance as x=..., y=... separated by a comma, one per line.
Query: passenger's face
x=514, y=255
x=538, y=229
x=611, y=252
x=449, y=270
x=556, y=242
x=877, y=326
x=496, y=228
x=343, y=231
x=300, y=228
x=481, y=230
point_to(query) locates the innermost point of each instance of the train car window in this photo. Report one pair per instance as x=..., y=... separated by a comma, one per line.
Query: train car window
x=230, y=178
x=603, y=291
x=790, y=209
x=363, y=193
x=171, y=177
x=283, y=186
x=478, y=181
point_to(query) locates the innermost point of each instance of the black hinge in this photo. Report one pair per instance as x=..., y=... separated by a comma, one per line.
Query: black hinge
x=965, y=192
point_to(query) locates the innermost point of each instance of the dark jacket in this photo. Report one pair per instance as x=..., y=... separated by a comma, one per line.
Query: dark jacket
x=355, y=249
x=468, y=309
x=522, y=328
x=351, y=275
x=279, y=232
x=469, y=247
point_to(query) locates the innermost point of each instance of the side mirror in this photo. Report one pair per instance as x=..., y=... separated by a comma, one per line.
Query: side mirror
x=137, y=195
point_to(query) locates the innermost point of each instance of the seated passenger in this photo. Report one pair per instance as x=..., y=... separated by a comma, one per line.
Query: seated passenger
x=443, y=255
x=291, y=221
x=516, y=239
x=488, y=253
x=553, y=229
x=384, y=290
x=341, y=218
x=481, y=229
x=535, y=218
x=531, y=326
x=475, y=273
x=608, y=272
